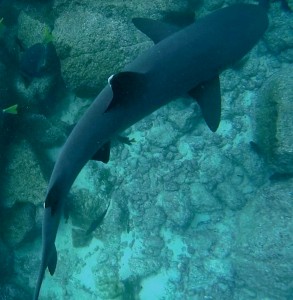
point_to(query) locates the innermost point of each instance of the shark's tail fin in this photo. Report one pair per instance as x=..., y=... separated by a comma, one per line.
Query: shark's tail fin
x=39, y=283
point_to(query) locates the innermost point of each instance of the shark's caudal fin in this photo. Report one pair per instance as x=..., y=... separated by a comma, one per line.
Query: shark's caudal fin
x=51, y=266
x=39, y=283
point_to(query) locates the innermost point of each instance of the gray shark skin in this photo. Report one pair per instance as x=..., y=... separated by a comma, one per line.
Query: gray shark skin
x=182, y=62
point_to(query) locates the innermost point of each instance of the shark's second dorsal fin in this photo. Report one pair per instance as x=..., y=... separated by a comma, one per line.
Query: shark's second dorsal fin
x=208, y=96
x=125, y=87
x=155, y=30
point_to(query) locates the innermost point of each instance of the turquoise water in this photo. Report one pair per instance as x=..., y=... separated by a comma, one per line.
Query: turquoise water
x=193, y=214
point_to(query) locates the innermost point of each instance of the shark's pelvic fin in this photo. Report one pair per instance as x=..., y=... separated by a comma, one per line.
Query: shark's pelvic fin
x=208, y=96
x=155, y=30
x=53, y=261
x=125, y=87
x=103, y=154
x=52, y=198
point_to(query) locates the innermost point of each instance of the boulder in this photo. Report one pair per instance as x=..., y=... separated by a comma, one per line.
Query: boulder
x=274, y=120
x=263, y=253
x=17, y=223
x=23, y=180
x=95, y=40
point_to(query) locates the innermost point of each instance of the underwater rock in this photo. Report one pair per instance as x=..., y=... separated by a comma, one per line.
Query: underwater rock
x=30, y=31
x=213, y=5
x=202, y=200
x=279, y=37
x=263, y=253
x=90, y=49
x=12, y=291
x=80, y=238
x=23, y=180
x=4, y=81
x=41, y=132
x=274, y=120
x=153, y=245
x=38, y=64
x=40, y=95
x=89, y=200
x=183, y=116
x=109, y=285
x=6, y=262
x=163, y=136
x=155, y=217
x=38, y=60
x=144, y=266
x=96, y=39
x=18, y=223
x=209, y=278
x=177, y=207
x=3, y=93
x=229, y=195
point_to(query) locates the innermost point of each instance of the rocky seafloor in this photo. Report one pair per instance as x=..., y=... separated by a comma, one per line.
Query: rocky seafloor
x=193, y=214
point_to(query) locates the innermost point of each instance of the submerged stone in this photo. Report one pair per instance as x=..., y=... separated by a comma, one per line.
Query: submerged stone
x=38, y=60
x=18, y=223
x=23, y=180
x=274, y=120
x=263, y=253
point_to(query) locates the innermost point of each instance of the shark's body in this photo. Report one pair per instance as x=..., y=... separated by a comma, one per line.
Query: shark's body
x=182, y=62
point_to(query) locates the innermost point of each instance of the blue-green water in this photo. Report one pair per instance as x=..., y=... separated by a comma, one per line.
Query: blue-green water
x=193, y=214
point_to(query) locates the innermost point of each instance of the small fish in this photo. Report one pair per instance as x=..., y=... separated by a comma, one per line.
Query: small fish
x=11, y=110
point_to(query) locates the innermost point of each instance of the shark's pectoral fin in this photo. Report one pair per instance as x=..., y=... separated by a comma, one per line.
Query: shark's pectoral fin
x=155, y=30
x=103, y=154
x=53, y=261
x=125, y=87
x=208, y=96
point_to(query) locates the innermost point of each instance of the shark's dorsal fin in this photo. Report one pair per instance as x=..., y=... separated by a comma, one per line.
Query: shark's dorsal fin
x=103, y=154
x=155, y=30
x=208, y=96
x=180, y=19
x=125, y=86
x=53, y=261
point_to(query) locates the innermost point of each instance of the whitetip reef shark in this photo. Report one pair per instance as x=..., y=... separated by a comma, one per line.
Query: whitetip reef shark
x=183, y=62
